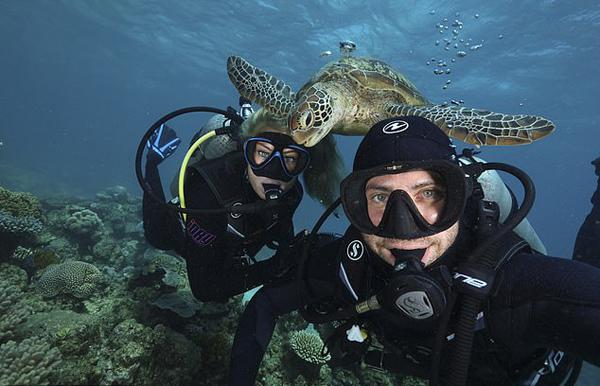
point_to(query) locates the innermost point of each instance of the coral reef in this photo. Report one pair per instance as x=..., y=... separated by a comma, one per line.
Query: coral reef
x=43, y=257
x=308, y=345
x=13, y=308
x=77, y=278
x=19, y=225
x=20, y=204
x=143, y=327
x=30, y=362
x=85, y=223
x=117, y=194
x=20, y=217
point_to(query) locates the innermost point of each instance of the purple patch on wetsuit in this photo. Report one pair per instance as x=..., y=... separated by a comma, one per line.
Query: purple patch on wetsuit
x=199, y=235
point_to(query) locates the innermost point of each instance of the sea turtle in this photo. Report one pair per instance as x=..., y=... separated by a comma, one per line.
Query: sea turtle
x=348, y=95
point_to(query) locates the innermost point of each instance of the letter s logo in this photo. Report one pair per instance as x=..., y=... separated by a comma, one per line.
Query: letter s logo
x=355, y=250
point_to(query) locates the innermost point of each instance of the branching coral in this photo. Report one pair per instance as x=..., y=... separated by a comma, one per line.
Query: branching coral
x=19, y=225
x=308, y=345
x=77, y=278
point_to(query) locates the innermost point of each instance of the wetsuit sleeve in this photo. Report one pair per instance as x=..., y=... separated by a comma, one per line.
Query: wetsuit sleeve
x=545, y=302
x=586, y=244
x=258, y=320
x=162, y=227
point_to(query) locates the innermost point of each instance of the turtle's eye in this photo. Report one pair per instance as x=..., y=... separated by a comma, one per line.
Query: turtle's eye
x=306, y=119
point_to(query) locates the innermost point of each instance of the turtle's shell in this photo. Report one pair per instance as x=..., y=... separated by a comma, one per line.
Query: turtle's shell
x=369, y=80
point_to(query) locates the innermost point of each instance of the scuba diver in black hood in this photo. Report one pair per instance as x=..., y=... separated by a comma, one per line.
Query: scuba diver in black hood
x=425, y=267
x=220, y=244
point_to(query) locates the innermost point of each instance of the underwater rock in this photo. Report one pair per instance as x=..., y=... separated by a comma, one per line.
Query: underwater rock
x=117, y=194
x=71, y=277
x=182, y=303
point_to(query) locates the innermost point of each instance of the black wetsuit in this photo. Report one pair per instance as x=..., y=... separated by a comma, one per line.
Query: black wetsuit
x=217, y=247
x=588, y=238
x=539, y=303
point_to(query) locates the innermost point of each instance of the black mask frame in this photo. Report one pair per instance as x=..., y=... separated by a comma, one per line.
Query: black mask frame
x=401, y=219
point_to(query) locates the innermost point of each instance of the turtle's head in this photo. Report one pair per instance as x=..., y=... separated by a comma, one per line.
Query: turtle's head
x=311, y=118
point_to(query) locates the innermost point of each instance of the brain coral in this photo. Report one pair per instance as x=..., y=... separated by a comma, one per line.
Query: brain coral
x=77, y=278
x=308, y=346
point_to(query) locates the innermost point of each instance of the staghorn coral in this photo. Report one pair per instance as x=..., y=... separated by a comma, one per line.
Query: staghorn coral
x=19, y=225
x=72, y=277
x=30, y=362
x=307, y=345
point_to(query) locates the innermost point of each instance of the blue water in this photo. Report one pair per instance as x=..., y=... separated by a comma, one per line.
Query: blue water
x=82, y=80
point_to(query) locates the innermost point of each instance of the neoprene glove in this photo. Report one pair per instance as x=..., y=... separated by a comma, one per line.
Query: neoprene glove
x=162, y=144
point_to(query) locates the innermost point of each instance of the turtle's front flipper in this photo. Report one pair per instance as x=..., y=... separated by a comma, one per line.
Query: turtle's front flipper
x=480, y=127
x=261, y=88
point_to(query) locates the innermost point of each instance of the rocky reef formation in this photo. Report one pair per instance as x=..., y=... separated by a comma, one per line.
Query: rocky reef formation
x=85, y=300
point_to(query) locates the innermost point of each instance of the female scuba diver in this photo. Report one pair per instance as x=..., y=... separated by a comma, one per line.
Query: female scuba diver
x=219, y=246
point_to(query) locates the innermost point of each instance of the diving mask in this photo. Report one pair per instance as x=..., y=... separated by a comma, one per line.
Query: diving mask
x=276, y=156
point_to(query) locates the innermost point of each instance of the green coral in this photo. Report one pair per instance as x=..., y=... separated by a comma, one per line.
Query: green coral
x=308, y=345
x=20, y=204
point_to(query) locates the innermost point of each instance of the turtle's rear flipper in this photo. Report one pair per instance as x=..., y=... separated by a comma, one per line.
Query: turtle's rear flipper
x=480, y=127
x=261, y=88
